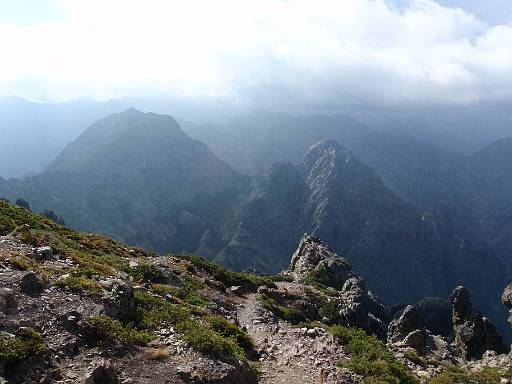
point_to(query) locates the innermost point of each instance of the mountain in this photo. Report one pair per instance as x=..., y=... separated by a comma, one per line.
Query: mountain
x=389, y=243
x=138, y=177
x=43, y=130
x=468, y=196
x=250, y=143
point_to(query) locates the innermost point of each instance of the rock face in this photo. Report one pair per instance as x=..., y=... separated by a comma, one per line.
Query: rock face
x=360, y=308
x=474, y=334
x=506, y=299
x=409, y=329
x=314, y=259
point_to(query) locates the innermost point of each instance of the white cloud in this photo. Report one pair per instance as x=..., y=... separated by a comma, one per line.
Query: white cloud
x=268, y=52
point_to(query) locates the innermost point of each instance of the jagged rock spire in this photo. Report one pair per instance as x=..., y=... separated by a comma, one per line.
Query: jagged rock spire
x=474, y=333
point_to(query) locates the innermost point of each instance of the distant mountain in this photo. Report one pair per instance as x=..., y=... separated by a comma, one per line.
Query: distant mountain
x=410, y=232
x=467, y=196
x=252, y=142
x=34, y=133
x=136, y=176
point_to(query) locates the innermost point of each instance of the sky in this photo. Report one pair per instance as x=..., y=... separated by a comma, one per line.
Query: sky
x=265, y=53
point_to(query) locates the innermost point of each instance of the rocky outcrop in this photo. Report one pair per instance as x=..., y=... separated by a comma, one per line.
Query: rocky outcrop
x=437, y=315
x=506, y=299
x=119, y=300
x=360, y=308
x=408, y=329
x=314, y=260
x=474, y=334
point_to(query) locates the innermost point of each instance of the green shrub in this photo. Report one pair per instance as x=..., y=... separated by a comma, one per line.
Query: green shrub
x=288, y=314
x=146, y=272
x=229, y=278
x=412, y=355
x=208, y=334
x=370, y=358
x=458, y=375
x=103, y=326
x=227, y=329
x=207, y=341
x=80, y=284
x=26, y=344
x=152, y=310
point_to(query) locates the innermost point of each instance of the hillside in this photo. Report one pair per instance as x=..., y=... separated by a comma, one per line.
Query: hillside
x=82, y=308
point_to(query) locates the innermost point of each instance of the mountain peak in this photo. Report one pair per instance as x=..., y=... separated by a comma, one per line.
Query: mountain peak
x=128, y=133
x=328, y=146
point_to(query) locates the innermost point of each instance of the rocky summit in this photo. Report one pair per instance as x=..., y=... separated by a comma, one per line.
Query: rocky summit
x=83, y=308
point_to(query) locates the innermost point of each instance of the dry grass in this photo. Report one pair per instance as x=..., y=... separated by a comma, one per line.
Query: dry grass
x=159, y=353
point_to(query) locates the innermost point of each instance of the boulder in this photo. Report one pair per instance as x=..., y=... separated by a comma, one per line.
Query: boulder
x=104, y=373
x=409, y=329
x=416, y=339
x=8, y=303
x=410, y=320
x=474, y=334
x=70, y=319
x=42, y=253
x=31, y=284
x=119, y=300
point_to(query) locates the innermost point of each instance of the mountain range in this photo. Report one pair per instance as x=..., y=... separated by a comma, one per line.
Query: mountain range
x=413, y=220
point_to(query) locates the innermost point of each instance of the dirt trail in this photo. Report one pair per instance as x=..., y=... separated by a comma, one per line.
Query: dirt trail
x=289, y=354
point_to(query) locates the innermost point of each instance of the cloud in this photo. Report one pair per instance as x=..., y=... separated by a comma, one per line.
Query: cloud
x=268, y=53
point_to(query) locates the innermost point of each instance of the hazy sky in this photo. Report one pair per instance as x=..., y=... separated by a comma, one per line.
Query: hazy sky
x=265, y=52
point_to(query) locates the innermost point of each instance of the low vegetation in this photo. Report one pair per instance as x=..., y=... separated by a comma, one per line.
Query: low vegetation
x=79, y=283
x=207, y=333
x=370, y=358
x=286, y=313
x=248, y=281
x=458, y=375
x=26, y=344
x=106, y=327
